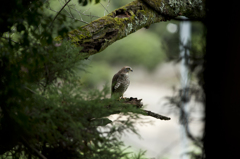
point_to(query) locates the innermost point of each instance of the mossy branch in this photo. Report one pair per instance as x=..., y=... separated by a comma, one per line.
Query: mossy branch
x=99, y=34
x=193, y=9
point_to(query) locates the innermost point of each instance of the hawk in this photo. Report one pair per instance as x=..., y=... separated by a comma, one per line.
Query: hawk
x=120, y=81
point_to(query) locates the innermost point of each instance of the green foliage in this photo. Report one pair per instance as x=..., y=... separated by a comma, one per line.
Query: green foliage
x=14, y=11
x=44, y=110
x=97, y=73
x=139, y=155
x=140, y=49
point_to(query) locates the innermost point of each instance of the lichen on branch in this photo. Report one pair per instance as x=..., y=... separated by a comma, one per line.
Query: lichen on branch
x=193, y=9
x=123, y=21
x=99, y=34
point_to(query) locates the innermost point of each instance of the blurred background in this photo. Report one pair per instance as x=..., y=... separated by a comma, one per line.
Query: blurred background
x=153, y=54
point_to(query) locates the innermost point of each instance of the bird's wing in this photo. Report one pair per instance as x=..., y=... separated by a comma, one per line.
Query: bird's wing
x=115, y=82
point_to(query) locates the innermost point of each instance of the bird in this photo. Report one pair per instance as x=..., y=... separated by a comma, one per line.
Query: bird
x=120, y=82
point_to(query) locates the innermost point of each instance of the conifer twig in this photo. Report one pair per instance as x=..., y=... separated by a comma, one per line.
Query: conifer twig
x=32, y=91
x=35, y=150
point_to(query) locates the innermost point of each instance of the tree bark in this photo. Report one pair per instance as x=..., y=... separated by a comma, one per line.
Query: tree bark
x=99, y=34
x=192, y=9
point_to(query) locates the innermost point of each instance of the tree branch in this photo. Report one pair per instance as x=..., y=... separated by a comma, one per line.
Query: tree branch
x=157, y=116
x=137, y=102
x=99, y=34
x=192, y=9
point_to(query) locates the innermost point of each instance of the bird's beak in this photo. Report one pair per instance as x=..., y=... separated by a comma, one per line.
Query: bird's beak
x=131, y=70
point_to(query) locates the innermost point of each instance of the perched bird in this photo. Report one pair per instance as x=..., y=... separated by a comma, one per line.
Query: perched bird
x=120, y=82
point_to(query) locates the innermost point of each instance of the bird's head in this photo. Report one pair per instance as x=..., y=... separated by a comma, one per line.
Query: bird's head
x=126, y=69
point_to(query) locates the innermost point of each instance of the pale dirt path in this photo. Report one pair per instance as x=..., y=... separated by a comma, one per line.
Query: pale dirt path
x=162, y=138
x=162, y=134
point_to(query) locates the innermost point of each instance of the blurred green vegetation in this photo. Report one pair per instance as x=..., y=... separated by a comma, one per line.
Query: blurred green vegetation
x=146, y=48
x=97, y=73
x=44, y=110
x=140, y=49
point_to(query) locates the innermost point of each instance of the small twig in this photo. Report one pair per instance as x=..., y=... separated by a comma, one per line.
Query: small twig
x=77, y=12
x=32, y=91
x=104, y=8
x=35, y=150
x=155, y=115
x=107, y=6
x=59, y=12
x=83, y=13
x=69, y=12
x=90, y=17
x=70, y=17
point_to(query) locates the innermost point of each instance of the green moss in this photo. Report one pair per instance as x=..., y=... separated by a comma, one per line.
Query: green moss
x=87, y=40
x=58, y=39
x=119, y=22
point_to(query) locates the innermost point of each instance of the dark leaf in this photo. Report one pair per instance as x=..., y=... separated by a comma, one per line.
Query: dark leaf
x=85, y=3
x=20, y=27
x=62, y=31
